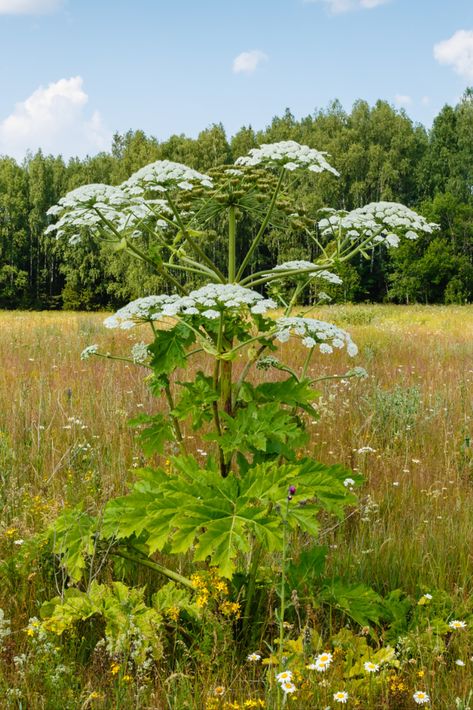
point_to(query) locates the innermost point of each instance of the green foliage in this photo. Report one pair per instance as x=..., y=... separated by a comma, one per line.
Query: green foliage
x=154, y=436
x=129, y=625
x=217, y=517
x=72, y=537
x=196, y=400
x=168, y=349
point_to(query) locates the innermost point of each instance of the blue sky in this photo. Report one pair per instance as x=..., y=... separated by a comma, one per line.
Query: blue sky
x=75, y=71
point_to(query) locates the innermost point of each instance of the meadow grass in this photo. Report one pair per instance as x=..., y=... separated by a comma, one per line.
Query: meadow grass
x=408, y=427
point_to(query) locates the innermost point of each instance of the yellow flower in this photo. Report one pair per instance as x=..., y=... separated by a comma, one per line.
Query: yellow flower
x=173, y=613
x=219, y=690
x=115, y=668
x=127, y=678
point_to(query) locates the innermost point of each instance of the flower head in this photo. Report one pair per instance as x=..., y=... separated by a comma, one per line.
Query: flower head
x=288, y=687
x=315, y=332
x=89, y=351
x=284, y=676
x=253, y=657
x=421, y=698
x=288, y=154
x=385, y=222
x=371, y=667
x=455, y=624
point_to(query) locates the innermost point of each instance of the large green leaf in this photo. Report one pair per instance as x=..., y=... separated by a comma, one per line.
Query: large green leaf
x=73, y=538
x=217, y=517
x=155, y=435
x=168, y=350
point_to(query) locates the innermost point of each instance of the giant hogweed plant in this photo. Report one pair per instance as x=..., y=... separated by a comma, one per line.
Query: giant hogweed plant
x=257, y=487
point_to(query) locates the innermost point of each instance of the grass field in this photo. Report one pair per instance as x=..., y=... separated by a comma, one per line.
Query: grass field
x=408, y=428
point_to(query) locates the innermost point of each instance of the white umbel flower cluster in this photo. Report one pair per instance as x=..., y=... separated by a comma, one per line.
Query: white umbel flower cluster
x=383, y=221
x=139, y=353
x=288, y=154
x=307, y=267
x=315, y=332
x=90, y=205
x=163, y=175
x=89, y=351
x=208, y=302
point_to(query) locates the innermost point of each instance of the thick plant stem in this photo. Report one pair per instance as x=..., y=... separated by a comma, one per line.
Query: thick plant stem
x=250, y=590
x=283, y=585
x=175, y=576
x=231, y=244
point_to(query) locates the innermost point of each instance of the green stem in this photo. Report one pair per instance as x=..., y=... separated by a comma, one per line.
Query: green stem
x=175, y=576
x=215, y=270
x=250, y=590
x=306, y=364
x=261, y=230
x=231, y=244
x=283, y=585
x=175, y=422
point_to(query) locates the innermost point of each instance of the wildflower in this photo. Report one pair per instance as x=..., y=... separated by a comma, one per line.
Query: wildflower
x=18, y=542
x=425, y=599
x=34, y=625
x=382, y=221
x=127, y=678
x=283, y=676
x=89, y=351
x=421, y=698
x=455, y=624
x=253, y=657
x=340, y=696
x=288, y=154
x=219, y=690
x=288, y=687
x=371, y=667
x=314, y=331
x=366, y=450
x=139, y=353
x=323, y=661
x=115, y=668
x=348, y=482
x=459, y=662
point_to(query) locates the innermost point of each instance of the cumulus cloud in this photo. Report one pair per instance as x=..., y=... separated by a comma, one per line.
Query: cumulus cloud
x=402, y=100
x=29, y=7
x=457, y=52
x=54, y=119
x=337, y=7
x=247, y=62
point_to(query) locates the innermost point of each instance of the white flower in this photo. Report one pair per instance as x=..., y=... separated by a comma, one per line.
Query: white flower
x=382, y=221
x=89, y=351
x=340, y=696
x=421, y=698
x=288, y=154
x=163, y=175
x=139, y=353
x=204, y=301
x=283, y=676
x=455, y=624
x=371, y=667
x=324, y=348
x=311, y=330
x=348, y=482
x=253, y=657
x=459, y=662
x=323, y=661
x=288, y=687
x=366, y=450
x=18, y=542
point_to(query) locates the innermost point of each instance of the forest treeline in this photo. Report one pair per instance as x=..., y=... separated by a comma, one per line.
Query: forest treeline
x=380, y=153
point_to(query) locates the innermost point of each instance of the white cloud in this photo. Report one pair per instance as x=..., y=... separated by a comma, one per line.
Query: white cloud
x=457, y=52
x=247, y=62
x=337, y=7
x=402, y=100
x=54, y=119
x=425, y=100
x=29, y=7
